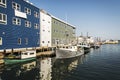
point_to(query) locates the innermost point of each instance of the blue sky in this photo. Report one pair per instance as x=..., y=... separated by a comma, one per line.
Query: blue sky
x=100, y=18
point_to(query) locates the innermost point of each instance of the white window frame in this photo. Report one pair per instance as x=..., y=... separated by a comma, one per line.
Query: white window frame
x=19, y=41
x=38, y=42
x=27, y=24
x=15, y=6
x=36, y=14
x=26, y=41
x=0, y=40
x=16, y=21
x=3, y=19
x=36, y=26
x=27, y=11
x=3, y=4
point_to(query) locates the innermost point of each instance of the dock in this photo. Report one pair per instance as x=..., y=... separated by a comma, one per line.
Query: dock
x=40, y=52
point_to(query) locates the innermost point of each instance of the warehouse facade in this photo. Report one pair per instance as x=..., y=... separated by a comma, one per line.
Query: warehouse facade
x=19, y=24
x=63, y=33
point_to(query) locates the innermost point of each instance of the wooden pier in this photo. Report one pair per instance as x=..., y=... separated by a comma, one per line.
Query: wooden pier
x=46, y=51
x=40, y=51
x=1, y=58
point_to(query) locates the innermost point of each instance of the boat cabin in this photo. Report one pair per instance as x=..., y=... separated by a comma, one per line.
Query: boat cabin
x=28, y=54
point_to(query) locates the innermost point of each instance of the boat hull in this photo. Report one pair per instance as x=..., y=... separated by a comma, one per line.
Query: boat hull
x=14, y=61
x=86, y=49
x=68, y=54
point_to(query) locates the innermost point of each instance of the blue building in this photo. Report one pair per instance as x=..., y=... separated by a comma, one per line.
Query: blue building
x=19, y=24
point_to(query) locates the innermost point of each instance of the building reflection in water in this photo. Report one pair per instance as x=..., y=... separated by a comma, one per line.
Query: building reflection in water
x=62, y=67
x=40, y=69
x=45, y=69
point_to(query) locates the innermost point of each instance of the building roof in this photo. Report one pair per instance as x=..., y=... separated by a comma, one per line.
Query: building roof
x=63, y=21
x=27, y=1
x=57, y=18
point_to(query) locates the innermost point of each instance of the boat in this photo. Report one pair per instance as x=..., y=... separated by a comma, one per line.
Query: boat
x=95, y=45
x=22, y=57
x=69, y=51
x=85, y=46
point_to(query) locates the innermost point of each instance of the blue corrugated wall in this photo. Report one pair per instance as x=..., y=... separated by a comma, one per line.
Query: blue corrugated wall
x=10, y=32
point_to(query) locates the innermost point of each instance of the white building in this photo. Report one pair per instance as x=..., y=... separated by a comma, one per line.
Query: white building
x=45, y=29
x=90, y=40
x=85, y=39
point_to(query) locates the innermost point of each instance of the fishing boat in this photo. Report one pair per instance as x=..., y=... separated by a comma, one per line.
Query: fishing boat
x=85, y=46
x=69, y=51
x=95, y=45
x=22, y=57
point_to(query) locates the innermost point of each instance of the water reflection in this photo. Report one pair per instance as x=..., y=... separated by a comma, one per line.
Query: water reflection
x=62, y=67
x=99, y=64
x=40, y=69
x=46, y=68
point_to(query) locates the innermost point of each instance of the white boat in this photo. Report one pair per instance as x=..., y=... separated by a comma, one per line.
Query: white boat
x=69, y=51
x=85, y=46
x=22, y=57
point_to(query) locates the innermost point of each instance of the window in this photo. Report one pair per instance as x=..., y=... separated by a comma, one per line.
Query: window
x=36, y=26
x=43, y=20
x=48, y=41
x=48, y=21
x=28, y=11
x=19, y=41
x=31, y=53
x=16, y=21
x=0, y=40
x=36, y=14
x=3, y=18
x=43, y=42
x=16, y=6
x=3, y=3
x=24, y=54
x=38, y=42
x=27, y=24
x=26, y=41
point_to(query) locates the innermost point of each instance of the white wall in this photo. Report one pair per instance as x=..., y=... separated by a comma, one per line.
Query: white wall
x=45, y=29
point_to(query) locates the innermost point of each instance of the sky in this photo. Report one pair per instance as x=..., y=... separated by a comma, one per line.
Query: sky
x=100, y=18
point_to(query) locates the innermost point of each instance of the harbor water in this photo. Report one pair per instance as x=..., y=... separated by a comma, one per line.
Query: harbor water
x=99, y=64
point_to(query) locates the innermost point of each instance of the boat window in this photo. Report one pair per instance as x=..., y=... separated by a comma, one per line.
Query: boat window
x=31, y=53
x=24, y=53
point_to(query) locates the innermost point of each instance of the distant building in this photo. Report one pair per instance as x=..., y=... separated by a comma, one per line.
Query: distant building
x=111, y=42
x=19, y=24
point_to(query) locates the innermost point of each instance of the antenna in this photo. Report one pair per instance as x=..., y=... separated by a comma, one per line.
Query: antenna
x=81, y=34
x=87, y=34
